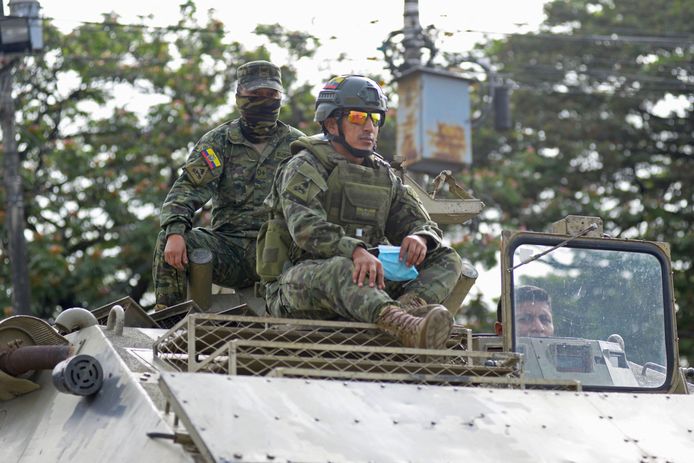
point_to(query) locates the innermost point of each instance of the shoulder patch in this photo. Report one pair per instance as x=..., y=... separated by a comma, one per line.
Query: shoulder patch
x=203, y=166
x=196, y=173
x=305, y=184
x=211, y=158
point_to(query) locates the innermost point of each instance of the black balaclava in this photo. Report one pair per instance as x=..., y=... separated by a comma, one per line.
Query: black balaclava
x=258, y=116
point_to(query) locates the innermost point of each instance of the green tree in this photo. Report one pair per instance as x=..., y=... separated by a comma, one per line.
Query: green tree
x=603, y=126
x=96, y=167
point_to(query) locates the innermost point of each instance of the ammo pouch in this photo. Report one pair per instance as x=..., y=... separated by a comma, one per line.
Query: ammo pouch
x=272, y=250
x=359, y=199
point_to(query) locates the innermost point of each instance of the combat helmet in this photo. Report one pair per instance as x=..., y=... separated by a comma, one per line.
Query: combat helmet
x=349, y=92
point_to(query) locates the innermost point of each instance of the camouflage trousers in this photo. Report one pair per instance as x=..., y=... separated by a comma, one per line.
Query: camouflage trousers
x=323, y=289
x=233, y=264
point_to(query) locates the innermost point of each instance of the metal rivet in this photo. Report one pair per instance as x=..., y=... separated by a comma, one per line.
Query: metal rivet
x=270, y=457
x=238, y=456
x=395, y=421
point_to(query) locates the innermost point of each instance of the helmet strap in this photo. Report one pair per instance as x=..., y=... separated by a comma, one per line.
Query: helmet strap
x=340, y=138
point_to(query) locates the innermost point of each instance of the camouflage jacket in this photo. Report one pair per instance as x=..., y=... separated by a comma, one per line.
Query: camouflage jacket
x=299, y=196
x=226, y=168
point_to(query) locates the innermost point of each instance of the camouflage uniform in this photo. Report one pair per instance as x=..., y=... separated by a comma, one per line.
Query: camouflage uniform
x=319, y=283
x=225, y=167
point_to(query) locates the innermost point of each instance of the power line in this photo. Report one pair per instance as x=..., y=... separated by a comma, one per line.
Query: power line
x=655, y=82
x=540, y=71
x=171, y=28
x=671, y=40
x=550, y=71
x=548, y=88
x=662, y=40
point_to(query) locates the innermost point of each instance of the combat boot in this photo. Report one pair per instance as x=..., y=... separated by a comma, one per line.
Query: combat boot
x=428, y=332
x=415, y=305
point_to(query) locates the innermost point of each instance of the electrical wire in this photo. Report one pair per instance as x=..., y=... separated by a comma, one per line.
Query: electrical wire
x=653, y=82
x=671, y=40
x=661, y=40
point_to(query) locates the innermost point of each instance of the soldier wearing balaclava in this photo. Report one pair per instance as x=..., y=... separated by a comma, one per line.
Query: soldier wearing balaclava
x=233, y=166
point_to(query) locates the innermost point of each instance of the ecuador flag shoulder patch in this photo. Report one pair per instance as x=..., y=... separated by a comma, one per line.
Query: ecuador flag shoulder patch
x=211, y=158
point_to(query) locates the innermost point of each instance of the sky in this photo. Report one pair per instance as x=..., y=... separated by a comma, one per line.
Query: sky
x=356, y=27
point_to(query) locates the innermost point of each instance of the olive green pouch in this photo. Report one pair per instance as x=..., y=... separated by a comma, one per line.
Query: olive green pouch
x=272, y=251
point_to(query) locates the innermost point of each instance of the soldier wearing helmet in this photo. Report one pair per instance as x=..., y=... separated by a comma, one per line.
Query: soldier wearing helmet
x=335, y=200
x=232, y=165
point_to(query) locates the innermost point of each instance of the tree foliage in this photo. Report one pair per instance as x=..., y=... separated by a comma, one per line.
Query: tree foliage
x=96, y=164
x=603, y=126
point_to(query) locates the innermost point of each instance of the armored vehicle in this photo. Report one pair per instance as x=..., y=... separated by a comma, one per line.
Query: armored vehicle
x=228, y=384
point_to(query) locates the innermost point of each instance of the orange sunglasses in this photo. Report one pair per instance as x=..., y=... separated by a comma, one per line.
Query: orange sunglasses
x=360, y=117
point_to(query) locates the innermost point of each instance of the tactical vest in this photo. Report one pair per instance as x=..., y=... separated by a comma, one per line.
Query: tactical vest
x=358, y=198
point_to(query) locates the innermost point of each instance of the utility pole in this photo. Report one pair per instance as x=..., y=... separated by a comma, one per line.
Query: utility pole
x=14, y=200
x=412, y=34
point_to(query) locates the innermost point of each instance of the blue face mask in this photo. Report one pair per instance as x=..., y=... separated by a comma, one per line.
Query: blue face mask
x=394, y=268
